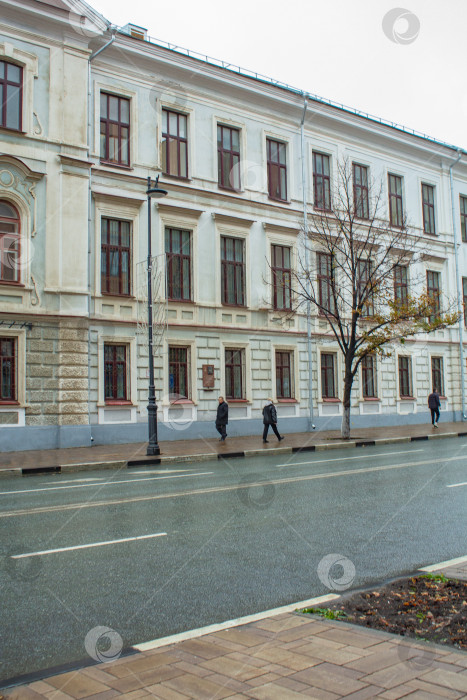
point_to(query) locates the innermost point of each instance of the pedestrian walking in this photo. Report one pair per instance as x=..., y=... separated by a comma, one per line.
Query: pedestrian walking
x=270, y=419
x=433, y=404
x=222, y=418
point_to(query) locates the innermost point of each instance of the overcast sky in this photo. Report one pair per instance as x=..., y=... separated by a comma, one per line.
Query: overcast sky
x=406, y=64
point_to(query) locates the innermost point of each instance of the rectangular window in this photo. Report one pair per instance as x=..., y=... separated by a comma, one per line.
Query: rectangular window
x=360, y=190
x=281, y=277
x=115, y=129
x=174, y=144
x=369, y=386
x=277, y=170
x=232, y=271
x=115, y=369
x=11, y=94
x=328, y=376
x=7, y=370
x=321, y=181
x=325, y=276
x=10, y=251
x=284, y=389
x=115, y=257
x=178, y=257
x=234, y=373
x=396, y=210
x=463, y=209
x=428, y=203
x=401, y=285
x=363, y=286
x=228, y=157
x=179, y=373
x=464, y=294
x=437, y=375
x=433, y=290
x=405, y=377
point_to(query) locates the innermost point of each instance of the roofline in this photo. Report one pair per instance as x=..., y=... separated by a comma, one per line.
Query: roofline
x=253, y=75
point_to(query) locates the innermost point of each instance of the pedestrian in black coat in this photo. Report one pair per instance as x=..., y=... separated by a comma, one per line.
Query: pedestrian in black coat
x=222, y=418
x=434, y=404
x=270, y=419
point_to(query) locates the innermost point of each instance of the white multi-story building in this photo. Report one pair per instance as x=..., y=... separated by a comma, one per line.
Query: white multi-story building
x=88, y=113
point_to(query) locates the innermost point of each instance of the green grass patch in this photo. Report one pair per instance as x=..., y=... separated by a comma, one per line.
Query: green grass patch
x=325, y=612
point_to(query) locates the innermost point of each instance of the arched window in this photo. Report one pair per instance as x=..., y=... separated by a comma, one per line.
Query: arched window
x=11, y=91
x=9, y=243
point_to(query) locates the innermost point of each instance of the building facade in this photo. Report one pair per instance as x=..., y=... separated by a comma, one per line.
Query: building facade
x=90, y=112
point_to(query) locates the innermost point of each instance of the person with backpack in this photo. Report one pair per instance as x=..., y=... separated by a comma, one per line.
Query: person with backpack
x=270, y=419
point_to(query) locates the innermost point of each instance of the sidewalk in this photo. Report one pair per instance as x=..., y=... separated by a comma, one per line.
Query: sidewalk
x=134, y=454
x=281, y=655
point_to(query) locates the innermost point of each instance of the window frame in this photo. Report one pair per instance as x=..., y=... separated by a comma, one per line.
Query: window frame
x=11, y=400
x=232, y=154
x=439, y=371
x=323, y=180
x=324, y=371
x=178, y=363
x=276, y=166
x=282, y=272
x=368, y=309
x=280, y=366
x=166, y=112
x=428, y=209
x=169, y=262
x=463, y=216
x=397, y=199
x=401, y=284
x=5, y=83
x=107, y=121
x=229, y=385
x=5, y=253
x=434, y=291
x=405, y=372
x=325, y=280
x=372, y=372
x=464, y=299
x=121, y=249
x=361, y=192
x=115, y=400
x=236, y=265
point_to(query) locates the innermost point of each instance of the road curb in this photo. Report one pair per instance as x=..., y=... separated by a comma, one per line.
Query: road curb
x=215, y=456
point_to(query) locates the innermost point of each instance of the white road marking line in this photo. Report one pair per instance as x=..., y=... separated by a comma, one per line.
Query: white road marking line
x=345, y=459
x=453, y=486
x=444, y=564
x=220, y=489
x=210, y=629
x=105, y=483
x=75, y=481
x=87, y=546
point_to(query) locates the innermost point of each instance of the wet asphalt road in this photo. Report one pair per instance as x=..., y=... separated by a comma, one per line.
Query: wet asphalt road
x=228, y=538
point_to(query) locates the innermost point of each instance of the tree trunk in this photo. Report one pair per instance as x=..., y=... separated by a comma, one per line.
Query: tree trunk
x=345, y=428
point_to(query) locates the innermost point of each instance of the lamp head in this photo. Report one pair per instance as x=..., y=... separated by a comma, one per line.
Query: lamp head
x=155, y=192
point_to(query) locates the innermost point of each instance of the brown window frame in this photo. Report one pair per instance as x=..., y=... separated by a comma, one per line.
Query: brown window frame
x=362, y=280
x=369, y=377
x=234, y=358
x=405, y=376
x=434, y=291
x=284, y=366
x=181, y=143
x=428, y=207
x=360, y=191
x=396, y=212
x=277, y=169
x=108, y=250
x=232, y=155
x=281, y=278
x=10, y=245
x=238, y=266
x=115, y=363
x=321, y=180
x=325, y=281
x=184, y=261
x=437, y=375
x=178, y=364
x=4, y=360
x=328, y=370
x=107, y=122
x=464, y=299
x=401, y=286
x=463, y=214
x=6, y=83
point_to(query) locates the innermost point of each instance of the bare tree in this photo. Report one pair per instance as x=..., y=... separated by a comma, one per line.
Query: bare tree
x=358, y=280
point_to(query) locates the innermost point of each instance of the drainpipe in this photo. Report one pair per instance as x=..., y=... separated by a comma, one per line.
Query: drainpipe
x=307, y=266
x=457, y=245
x=89, y=131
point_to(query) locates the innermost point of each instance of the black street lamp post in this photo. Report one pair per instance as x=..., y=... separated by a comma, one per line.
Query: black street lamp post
x=153, y=445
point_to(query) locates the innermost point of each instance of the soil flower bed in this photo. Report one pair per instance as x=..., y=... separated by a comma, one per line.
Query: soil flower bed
x=430, y=607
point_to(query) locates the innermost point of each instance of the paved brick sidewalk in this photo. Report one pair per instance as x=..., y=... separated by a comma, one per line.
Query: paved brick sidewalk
x=281, y=657
x=114, y=456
